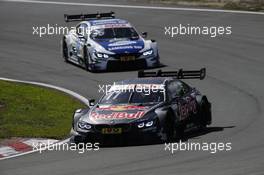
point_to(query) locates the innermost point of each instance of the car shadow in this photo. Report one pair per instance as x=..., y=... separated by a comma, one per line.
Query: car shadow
x=195, y=134
x=120, y=69
x=132, y=69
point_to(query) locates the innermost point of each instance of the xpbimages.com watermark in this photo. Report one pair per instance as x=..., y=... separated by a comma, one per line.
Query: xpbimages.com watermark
x=147, y=89
x=171, y=31
x=80, y=147
x=212, y=147
x=55, y=29
x=189, y=30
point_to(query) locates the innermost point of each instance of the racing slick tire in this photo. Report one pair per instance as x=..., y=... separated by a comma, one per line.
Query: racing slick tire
x=169, y=132
x=158, y=64
x=65, y=52
x=205, y=116
x=76, y=139
x=87, y=60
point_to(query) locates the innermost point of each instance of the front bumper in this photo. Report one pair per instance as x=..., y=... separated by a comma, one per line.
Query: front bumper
x=130, y=132
x=114, y=63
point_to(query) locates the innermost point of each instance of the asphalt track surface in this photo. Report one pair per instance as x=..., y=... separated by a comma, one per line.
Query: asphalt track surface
x=234, y=85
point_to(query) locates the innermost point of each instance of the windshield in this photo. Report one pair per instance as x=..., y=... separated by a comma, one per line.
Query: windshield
x=110, y=33
x=125, y=97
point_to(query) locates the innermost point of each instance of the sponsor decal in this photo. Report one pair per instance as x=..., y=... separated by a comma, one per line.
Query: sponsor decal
x=109, y=24
x=124, y=47
x=121, y=43
x=104, y=26
x=137, y=87
x=121, y=108
x=106, y=22
x=117, y=115
x=188, y=108
x=116, y=25
x=119, y=46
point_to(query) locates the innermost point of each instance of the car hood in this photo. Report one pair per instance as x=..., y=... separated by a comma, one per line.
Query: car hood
x=122, y=46
x=115, y=114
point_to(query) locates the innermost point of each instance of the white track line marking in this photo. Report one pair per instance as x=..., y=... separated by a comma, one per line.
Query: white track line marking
x=74, y=94
x=136, y=7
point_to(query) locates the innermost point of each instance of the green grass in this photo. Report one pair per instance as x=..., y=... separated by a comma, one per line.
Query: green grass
x=32, y=111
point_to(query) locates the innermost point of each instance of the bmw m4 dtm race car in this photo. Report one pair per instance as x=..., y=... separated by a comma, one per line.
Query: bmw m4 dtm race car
x=156, y=106
x=101, y=42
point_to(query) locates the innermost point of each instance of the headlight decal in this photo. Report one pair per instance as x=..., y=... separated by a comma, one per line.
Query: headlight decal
x=148, y=52
x=84, y=125
x=101, y=55
x=145, y=124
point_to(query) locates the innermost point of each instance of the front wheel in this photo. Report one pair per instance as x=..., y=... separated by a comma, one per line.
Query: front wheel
x=170, y=132
x=65, y=53
x=86, y=58
x=205, y=114
x=158, y=64
x=77, y=139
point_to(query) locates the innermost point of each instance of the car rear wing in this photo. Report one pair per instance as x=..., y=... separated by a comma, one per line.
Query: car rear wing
x=180, y=74
x=85, y=17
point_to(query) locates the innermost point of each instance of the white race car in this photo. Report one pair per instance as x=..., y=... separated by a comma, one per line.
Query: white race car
x=101, y=42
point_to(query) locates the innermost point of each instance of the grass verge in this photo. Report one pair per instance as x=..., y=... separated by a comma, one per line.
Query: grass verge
x=33, y=111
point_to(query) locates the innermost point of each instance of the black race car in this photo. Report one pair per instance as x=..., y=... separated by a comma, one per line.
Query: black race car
x=156, y=105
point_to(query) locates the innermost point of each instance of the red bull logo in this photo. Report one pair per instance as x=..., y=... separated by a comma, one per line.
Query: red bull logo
x=117, y=115
x=121, y=108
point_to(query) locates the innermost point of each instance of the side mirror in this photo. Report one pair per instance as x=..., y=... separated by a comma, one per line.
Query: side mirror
x=78, y=110
x=144, y=34
x=92, y=102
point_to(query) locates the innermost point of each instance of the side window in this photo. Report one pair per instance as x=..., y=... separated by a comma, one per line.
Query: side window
x=186, y=88
x=172, y=93
x=82, y=30
x=177, y=88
